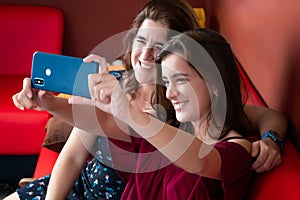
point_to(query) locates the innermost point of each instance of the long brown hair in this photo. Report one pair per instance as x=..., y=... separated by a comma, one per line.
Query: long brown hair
x=213, y=50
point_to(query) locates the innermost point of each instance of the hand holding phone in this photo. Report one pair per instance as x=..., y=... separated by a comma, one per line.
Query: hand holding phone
x=64, y=74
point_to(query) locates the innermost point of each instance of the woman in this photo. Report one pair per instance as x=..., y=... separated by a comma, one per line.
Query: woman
x=214, y=162
x=176, y=15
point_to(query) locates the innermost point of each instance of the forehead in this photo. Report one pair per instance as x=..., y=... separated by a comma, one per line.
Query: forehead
x=176, y=64
x=155, y=30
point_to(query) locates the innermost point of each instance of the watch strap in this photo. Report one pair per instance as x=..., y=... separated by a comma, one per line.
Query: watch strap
x=275, y=137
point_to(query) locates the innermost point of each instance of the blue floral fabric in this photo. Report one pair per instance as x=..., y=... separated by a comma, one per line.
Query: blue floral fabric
x=96, y=181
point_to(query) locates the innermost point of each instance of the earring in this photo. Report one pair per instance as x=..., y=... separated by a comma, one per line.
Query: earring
x=216, y=93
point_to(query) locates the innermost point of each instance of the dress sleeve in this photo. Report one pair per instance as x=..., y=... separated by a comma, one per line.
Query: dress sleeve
x=236, y=173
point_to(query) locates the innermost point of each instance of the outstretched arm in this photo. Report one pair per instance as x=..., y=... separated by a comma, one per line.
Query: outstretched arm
x=262, y=120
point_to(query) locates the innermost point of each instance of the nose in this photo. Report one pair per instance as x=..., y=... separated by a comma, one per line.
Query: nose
x=148, y=54
x=171, y=92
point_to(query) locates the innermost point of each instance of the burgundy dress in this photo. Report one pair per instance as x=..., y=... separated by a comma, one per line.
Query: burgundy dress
x=152, y=175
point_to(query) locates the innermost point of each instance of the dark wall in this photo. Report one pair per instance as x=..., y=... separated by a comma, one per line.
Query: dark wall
x=87, y=23
x=265, y=37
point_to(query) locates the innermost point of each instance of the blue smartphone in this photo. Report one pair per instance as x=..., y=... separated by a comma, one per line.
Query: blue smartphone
x=62, y=74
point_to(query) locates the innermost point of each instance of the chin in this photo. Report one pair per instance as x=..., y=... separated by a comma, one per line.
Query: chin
x=181, y=118
x=143, y=80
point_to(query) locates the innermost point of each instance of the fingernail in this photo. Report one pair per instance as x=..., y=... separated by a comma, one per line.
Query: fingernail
x=21, y=108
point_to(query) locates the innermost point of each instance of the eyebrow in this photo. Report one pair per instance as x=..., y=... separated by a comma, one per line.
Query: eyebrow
x=176, y=75
x=143, y=38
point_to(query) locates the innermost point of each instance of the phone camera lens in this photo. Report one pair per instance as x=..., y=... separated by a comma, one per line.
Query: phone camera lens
x=39, y=81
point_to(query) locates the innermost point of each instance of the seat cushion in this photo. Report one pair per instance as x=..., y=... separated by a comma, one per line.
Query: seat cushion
x=45, y=162
x=21, y=132
x=24, y=30
x=282, y=182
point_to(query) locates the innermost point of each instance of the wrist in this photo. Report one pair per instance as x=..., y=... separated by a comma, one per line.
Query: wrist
x=275, y=137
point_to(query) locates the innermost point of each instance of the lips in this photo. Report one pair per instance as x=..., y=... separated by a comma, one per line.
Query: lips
x=179, y=104
x=146, y=66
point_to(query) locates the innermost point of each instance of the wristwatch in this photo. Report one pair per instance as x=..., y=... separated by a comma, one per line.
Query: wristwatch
x=275, y=137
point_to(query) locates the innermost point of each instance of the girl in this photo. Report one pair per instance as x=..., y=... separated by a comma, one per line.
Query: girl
x=213, y=162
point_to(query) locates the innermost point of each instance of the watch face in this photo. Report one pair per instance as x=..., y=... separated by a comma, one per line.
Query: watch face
x=276, y=136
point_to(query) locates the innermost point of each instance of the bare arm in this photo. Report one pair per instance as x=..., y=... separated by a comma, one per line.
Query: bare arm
x=267, y=151
x=68, y=166
x=85, y=117
x=264, y=119
x=183, y=149
x=31, y=98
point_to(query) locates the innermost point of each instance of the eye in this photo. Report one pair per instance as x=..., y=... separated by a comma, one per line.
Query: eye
x=181, y=81
x=158, y=47
x=140, y=41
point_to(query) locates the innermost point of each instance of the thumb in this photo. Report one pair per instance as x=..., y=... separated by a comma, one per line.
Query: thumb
x=255, y=149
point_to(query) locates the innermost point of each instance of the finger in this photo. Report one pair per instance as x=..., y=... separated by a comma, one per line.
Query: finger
x=105, y=95
x=89, y=58
x=97, y=79
x=272, y=160
x=27, y=87
x=266, y=166
x=80, y=100
x=265, y=159
x=261, y=159
x=16, y=102
x=25, y=97
x=27, y=102
x=100, y=60
x=103, y=65
x=255, y=149
x=103, y=92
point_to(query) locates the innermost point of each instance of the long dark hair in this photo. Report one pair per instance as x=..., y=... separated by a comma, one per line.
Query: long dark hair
x=213, y=50
x=176, y=15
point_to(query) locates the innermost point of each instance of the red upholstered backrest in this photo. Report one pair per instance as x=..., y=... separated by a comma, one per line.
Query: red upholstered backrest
x=24, y=30
x=253, y=97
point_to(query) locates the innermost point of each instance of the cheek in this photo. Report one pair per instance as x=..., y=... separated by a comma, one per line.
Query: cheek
x=134, y=58
x=189, y=92
x=204, y=101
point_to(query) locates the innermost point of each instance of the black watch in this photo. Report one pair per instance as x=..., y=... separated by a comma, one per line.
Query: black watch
x=275, y=137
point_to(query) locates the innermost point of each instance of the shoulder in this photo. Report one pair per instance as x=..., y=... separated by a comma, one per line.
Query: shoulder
x=235, y=137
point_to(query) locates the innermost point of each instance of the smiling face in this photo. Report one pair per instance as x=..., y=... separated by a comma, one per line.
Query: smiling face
x=146, y=45
x=185, y=89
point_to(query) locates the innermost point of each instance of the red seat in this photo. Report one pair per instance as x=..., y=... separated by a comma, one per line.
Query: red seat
x=24, y=30
x=269, y=185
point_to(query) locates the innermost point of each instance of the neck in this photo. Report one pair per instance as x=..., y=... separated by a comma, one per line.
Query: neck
x=145, y=92
x=201, y=128
x=143, y=95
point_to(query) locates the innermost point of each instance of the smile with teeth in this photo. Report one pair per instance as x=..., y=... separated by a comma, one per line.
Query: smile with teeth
x=148, y=67
x=178, y=105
